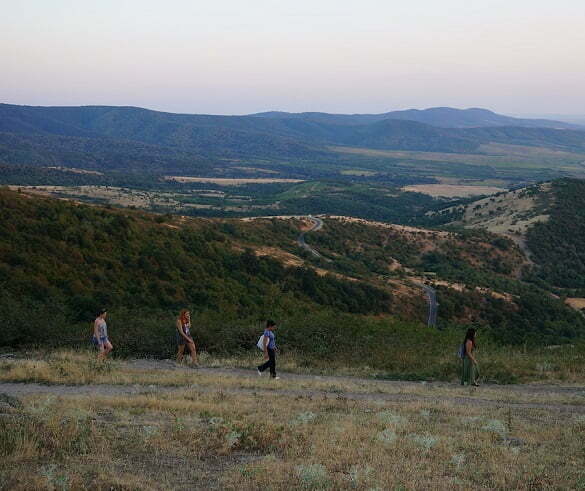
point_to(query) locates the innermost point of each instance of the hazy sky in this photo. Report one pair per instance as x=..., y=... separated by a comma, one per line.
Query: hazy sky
x=242, y=56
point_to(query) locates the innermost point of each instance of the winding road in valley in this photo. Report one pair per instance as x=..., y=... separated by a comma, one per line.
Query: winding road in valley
x=317, y=225
x=430, y=292
x=433, y=305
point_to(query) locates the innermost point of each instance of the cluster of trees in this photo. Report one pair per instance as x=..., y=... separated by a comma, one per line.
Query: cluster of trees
x=27, y=175
x=373, y=203
x=533, y=317
x=557, y=245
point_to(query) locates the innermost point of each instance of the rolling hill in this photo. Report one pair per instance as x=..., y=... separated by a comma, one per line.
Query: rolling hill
x=107, y=137
x=63, y=260
x=443, y=117
x=547, y=221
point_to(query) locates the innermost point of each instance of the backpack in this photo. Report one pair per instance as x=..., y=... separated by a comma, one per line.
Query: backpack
x=260, y=343
x=461, y=352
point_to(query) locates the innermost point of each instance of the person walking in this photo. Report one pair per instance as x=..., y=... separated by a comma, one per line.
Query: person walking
x=470, y=371
x=269, y=350
x=100, y=335
x=184, y=337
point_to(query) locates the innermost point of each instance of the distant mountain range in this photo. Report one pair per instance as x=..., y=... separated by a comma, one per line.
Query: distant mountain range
x=131, y=138
x=442, y=117
x=575, y=119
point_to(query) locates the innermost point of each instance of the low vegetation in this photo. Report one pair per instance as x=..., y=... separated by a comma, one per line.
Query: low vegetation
x=219, y=431
x=61, y=262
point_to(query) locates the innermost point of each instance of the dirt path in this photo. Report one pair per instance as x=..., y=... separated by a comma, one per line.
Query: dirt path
x=151, y=364
x=278, y=388
x=20, y=389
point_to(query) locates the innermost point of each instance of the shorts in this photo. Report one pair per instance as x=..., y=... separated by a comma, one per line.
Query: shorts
x=100, y=342
x=182, y=341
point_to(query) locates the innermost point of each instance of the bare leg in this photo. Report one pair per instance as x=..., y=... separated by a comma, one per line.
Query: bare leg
x=108, y=347
x=180, y=353
x=193, y=352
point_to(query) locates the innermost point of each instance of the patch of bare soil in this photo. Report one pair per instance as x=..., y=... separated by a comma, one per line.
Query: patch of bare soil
x=576, y=303
x=289, y=259
x=392, y=226
x=285, y=257
x=74, y=170
x=510, y=213
x=485, y=291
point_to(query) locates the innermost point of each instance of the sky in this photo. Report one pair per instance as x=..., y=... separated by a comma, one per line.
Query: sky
x=246, y=56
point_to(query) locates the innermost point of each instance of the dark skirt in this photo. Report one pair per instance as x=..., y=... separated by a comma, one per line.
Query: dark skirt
x=181, y=340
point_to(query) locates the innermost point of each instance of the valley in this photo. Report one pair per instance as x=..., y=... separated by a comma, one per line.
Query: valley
x=401, y=231
x=374, y=242
x=483, y=276
x=284, y=246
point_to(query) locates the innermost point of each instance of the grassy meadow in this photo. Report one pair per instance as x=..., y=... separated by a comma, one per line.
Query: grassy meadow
x=197, y=429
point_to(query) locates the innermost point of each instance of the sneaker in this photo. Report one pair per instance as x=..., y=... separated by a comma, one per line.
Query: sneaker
x=275, y=378
x=259, y=372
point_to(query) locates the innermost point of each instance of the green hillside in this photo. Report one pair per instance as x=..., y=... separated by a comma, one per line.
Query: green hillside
x=548, y=219
x=476, y=274
x=61, y=261
x=558, y=245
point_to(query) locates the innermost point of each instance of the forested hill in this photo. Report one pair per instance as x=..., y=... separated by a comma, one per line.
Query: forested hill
x=548, y=219
x=60, y=262
x=558, y=244
x=443, y=117
x=103, y=137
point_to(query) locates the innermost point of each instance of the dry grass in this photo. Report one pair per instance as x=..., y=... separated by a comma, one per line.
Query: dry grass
x=80, y=368
x=576, y=303
x=510, y=214
x=493, y=154
x=452, y=190
x=217, y=440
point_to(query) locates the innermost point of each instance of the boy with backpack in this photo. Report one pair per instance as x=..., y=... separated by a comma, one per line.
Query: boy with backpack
x=267, y=343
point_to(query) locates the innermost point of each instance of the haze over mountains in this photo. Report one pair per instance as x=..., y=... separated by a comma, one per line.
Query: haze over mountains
x=134, y=138
x=442, y=117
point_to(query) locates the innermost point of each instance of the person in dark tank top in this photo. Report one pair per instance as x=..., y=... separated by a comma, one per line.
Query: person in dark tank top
x=470, y=370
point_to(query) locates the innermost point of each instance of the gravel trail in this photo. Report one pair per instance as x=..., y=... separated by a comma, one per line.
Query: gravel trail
x=279, y=388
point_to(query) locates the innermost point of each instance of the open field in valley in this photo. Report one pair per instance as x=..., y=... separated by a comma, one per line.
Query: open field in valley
x=492, y=154
x=451, y=190
x=230, y=182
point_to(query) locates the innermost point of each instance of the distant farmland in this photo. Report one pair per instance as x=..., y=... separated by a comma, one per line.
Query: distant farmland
x=230, y=182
